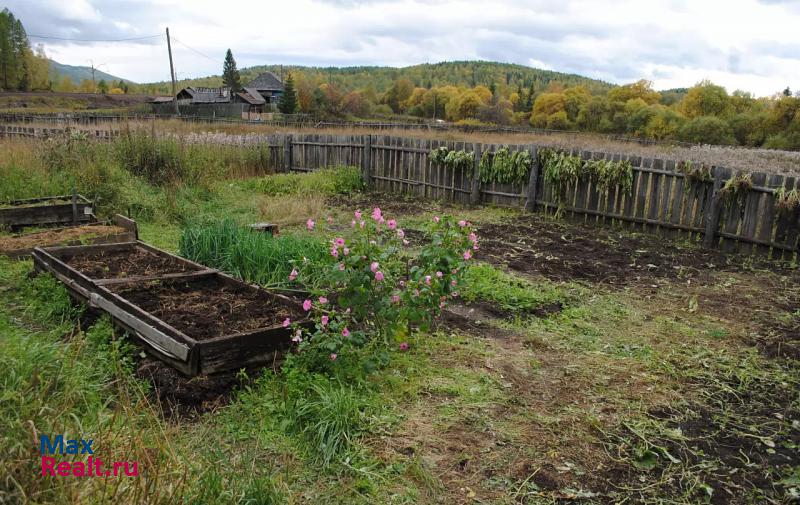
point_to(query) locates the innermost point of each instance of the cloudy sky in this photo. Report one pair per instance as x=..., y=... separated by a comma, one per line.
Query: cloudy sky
x=746, y=44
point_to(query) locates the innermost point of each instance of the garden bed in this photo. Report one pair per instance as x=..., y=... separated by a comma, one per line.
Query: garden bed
x=46, y=211
x=198, y=320
x=119, y=229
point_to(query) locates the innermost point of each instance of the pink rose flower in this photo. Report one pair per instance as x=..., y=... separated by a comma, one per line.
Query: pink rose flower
x=381, y=220
x=428, y=280
x=341, y=267
x=395, y=298
x=287, y=322
x=439, y=274
x=339, y=242
x=376, y=213
x=310, y=224
x=330, y=220
x=353, y=223
x=361, y=224
x=335, y=252
x=357, y=214
x=401, y=233
x=436, y=219
x=379, y=276
x=345, y=332
x=392, y=224
x=307, y=305
x=346, y=251
x=374, y=266
x=297, y=337
x=404, y=346
x=462, y=223
x=473, y=238
x=416, y=292
x=325, y=320
x=467, y=254
x=323, y=300
x=453, y=282
x=441, y=305
x=405, y=242
x=333, y=356
x=293, y=274
x=402, y=283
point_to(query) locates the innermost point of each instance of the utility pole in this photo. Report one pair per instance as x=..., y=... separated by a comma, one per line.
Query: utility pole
x=172, y=75
x=434, y=106
x=94, y=85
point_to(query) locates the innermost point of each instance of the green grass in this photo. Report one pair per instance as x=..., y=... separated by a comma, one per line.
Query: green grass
x=255, y=256
x=328, y=181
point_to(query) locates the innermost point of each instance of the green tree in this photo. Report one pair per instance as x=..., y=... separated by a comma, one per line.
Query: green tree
x=705, y=99
x=102, y=86
x=288, y=101
x=230, y=75
x=707, y=130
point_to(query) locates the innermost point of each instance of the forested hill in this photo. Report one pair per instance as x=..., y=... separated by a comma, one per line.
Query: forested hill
x=455, y=73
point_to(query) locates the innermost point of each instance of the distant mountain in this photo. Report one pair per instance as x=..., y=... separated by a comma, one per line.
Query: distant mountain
x=79, y=73
x=457, y=73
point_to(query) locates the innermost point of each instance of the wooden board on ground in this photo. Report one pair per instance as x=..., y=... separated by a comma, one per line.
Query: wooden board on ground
x=46, y=211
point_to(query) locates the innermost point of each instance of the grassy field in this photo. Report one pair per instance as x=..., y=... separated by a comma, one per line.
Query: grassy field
x=581, y=364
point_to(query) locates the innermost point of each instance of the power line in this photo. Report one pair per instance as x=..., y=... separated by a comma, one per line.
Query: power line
x=193, y=50
x=92, y=40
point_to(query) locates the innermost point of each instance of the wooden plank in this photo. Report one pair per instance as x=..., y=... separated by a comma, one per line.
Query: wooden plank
x=732, y=221
x=366, y=167
x=533, y=182
x=751, y=208
x=714, y=208
x=766, y=228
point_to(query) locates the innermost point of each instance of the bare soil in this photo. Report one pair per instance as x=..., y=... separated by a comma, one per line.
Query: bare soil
x=57, y=237
x=134, y=262
x=207, y=308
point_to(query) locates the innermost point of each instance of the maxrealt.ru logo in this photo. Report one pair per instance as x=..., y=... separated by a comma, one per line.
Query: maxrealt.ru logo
x=92, y=467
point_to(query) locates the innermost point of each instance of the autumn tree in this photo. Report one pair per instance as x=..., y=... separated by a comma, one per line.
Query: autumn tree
x=705, y=99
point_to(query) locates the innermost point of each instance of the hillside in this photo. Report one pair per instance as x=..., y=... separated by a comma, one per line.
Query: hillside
x=455, y=73
x=79, y=73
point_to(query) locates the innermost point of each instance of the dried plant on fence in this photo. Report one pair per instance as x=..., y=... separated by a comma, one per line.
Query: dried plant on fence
x=505, y=167
x=694, y=173
x=786, y=201
x=463, y=160
x=737, y=188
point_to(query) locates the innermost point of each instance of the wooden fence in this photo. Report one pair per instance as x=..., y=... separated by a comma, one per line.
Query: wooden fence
x=661, y=200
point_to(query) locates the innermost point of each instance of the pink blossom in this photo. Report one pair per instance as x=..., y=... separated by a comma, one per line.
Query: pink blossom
x=323, y=300
x=345, y=332
x=453, y=282
x=402, y=283
x=404, y=346
x=416, y=292
x=428, y=280
x=379, y=276
x=462, y=223
x=293, y=274
x=297, y=337
x=287, y=322
x=374, y=266
x=325, y=320
x=475, y=247
x=455, y=294
x=346, y=251
x=376, y=213
x=341, y=267
x=405, y=242
x=339, y=242
x=310, y=224
x=401, y=233
x=473, y=238
x=439, y=274
x=361, y=224
x=307, y=305
x=467, y=254
x=334, y=252
x=353, y=223
x=330, y=220
x=381, y=220
x=333, y=356
x=395, y=298
x=441, y=305
x=357, y=214
x=347, y=311
x=392, y=224
x=454, y=271
x=435, y=219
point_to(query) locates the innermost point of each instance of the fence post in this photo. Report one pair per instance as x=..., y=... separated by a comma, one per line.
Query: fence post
x=366, y=161
x=713, y=210
x=475, y=196
x=74, y=205
x=533, y=182
x=287, y=153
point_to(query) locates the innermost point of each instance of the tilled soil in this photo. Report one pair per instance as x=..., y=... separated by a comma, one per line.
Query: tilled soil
x=207, y=308
x=135, y=262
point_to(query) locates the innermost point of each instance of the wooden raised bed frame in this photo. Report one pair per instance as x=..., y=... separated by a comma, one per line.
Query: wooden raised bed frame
x=76, y=209
x=131, y=233
x=191, y=357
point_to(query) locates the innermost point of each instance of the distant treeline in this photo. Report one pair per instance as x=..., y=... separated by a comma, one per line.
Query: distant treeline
x=21, y=69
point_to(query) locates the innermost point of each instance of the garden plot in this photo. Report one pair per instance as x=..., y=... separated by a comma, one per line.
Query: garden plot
x=194, y=318
x=46, y=211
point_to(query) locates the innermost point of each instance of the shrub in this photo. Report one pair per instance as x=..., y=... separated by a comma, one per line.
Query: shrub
x=707, y=130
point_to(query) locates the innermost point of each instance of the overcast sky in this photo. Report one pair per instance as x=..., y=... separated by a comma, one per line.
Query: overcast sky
x=746, y=44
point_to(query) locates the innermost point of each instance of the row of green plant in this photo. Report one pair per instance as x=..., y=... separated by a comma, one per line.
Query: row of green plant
x=503, y=166
x=562, y=171
x=461, y=159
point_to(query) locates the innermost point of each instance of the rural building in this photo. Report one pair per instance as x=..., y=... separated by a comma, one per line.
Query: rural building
x=259, y=96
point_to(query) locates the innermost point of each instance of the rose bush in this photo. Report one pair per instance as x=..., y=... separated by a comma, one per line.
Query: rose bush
x=381, y=290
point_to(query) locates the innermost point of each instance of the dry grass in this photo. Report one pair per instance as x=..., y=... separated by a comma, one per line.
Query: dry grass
x=288, y=210
x=739, y=158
